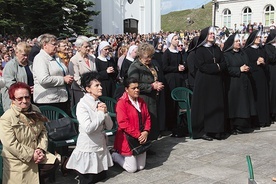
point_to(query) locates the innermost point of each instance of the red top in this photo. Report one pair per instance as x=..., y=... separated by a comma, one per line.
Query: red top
x=128, y=121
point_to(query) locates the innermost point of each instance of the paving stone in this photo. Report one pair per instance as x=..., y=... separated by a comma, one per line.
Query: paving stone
x=188, y=161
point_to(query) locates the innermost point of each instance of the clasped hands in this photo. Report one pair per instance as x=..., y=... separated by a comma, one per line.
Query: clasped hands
x=68, y=79
x=102, y=107
x=110, y=69
x=39, y=156
x=143, y=137
x=244, y=68
x=260, y=61
x=157, y=85
x=181, y=68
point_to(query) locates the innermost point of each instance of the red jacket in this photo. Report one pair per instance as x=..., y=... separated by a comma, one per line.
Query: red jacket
x=128, y=121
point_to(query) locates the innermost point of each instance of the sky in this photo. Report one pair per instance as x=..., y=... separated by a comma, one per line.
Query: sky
x=168, y=6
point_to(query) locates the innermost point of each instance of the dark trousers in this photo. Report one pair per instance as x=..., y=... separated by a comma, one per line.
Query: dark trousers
x=46, y=170
x=92, y=178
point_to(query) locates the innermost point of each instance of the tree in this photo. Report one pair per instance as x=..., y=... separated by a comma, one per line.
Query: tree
x=32, y=18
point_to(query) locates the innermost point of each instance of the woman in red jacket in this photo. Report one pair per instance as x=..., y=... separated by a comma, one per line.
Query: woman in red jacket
x=130, y=110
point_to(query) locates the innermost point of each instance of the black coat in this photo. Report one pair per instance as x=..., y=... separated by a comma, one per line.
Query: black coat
x=191, y=69
x=259, y=84
x=271, y=60
x=208, y=95
x=125, y=66
x=241, y=102
x=144, y=76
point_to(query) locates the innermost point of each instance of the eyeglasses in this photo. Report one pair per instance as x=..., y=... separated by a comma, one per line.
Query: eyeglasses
x=63, y=46
x=22, y=97
x=54, y=44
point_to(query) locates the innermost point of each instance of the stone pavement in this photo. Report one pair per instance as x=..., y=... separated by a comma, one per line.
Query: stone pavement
x=187, y=161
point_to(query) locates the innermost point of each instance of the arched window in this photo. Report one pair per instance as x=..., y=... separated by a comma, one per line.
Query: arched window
x=246, y=15
x=269, y=15
x=227, y=18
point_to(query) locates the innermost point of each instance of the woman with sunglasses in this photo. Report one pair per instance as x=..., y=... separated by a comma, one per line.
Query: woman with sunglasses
x=24, y=139
x=18, y=69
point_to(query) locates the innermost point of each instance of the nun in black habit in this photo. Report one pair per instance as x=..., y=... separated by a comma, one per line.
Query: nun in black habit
x=241, y=104
x=191, y=63
x=270, y=48
x=259, y=82
x=173, y=69
x=207, y=112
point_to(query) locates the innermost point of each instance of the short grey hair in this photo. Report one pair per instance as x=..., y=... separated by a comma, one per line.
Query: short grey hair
x=47, y=38
x=80, y=40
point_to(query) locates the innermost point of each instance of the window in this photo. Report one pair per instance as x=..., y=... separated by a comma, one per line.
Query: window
x=227, y=18
x=246, y=15
x=269, y=15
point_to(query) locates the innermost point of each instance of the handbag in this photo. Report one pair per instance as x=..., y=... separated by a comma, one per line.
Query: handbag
x=133, y=142
x=61, y=129
x=136, y=147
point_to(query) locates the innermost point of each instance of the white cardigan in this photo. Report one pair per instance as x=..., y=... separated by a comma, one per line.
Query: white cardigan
x=49, y=85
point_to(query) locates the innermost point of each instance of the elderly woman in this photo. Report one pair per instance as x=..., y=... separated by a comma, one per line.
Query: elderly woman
x=50, y=76
x=82, y=62
x=146, y=73
x=91, y=157
x=132, y=112
x=18, y=69
x=62, y=51
x=241, y=105
x=131, y=56
x=208, y=96
x=107, y=69
x=24, y=140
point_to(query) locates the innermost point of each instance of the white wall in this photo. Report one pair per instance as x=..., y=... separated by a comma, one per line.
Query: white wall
x=113, y=13
x=236, y=7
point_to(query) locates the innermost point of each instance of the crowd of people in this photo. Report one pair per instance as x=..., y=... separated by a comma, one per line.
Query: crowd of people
x=231, y=76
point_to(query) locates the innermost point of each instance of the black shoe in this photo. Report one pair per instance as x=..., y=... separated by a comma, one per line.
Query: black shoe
x=234, y=132
x=206, y=137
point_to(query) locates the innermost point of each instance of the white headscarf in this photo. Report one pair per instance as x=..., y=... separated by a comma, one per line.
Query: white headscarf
x=169, y=39
x=131, y=48
x=102, y=45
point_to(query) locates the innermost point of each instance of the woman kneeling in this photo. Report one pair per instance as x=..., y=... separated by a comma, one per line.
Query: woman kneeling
x=133, y=120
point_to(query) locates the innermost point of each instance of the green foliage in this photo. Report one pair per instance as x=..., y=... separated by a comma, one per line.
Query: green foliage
x=31, y=17
x=176, y=21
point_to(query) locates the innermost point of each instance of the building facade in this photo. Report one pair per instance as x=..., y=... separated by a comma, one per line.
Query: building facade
x=231, y=13
x=126, y=16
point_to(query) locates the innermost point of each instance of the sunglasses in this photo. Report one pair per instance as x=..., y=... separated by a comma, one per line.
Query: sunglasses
x=22, y=97
x=180, y=45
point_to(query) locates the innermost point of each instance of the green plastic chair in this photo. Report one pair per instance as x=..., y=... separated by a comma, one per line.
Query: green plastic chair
x=183, y=96
x=110, y=103
x=54, y=113
x=251, y=179
x=73, y=113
